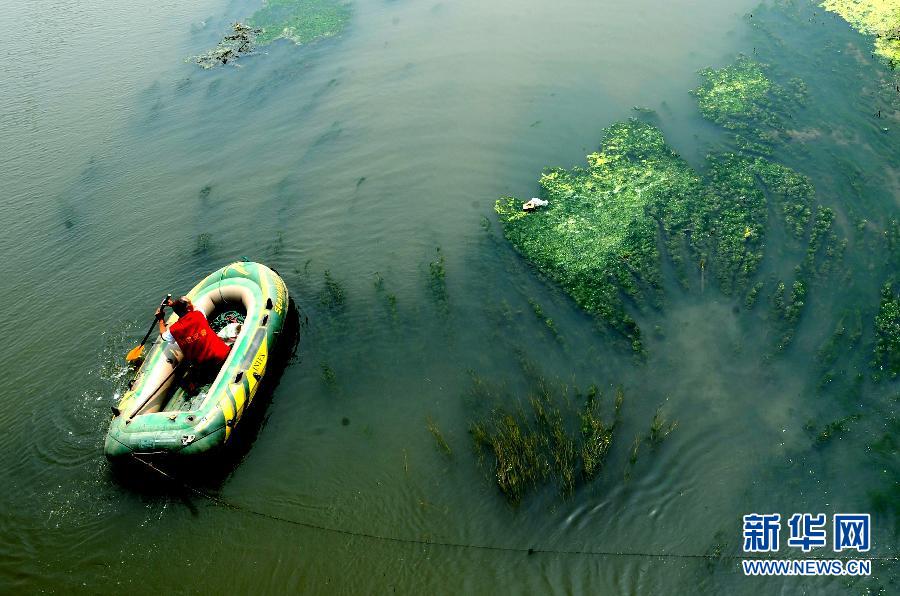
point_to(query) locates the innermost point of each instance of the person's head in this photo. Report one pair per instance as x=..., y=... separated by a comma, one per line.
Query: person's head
x=181, y=306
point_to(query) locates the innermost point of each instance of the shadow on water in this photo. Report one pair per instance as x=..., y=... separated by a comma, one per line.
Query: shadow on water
x=177, y=477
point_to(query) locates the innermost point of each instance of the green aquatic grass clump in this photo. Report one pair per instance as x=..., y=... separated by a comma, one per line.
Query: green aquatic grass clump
x=608, y=227
x=833, y=429
x=734, y=92
x=597, y=433
x=554, y=439
x=743, y=99
x=437, y=280
x=333, y=296
x=598, y=235
x=887, y=333
x=880, y=18
x=439, y=439
x=732, y=221
x=300, y=21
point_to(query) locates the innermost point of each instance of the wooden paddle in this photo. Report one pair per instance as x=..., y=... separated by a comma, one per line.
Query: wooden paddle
x=136, y=352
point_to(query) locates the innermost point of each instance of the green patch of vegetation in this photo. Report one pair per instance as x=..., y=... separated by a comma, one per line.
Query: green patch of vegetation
x=887, y=334
x=832, y=429
x=735, y=91
x=842, y=341
x=598, y=235
x=660, y=428
x=879, y=18
x=300, y=21
x=608, y=227
x=753, y=295
x=328, y=375
x=553, y=438
x=547, y=321
x=437, y=280
x=743, y=99
x=203, y=243
x=390, y=299
x=731, y=223
x=333, y=296
x=597, y=434
x=438, y=436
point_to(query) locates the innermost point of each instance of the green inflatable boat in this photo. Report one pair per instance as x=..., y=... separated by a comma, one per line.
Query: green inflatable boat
x=157, y=416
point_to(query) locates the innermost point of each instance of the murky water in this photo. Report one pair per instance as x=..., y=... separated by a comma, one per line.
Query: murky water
x=128, y=173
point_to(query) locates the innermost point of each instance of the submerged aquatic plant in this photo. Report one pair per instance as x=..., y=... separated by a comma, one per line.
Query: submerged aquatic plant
x=660, y=428
x=203, y=243
x=437, y=280
x=543, y=318
x=880, y=18
x=442, y=444
x=597, y=434
x=329, y=377
x=333, y=296
x=832, y=429
x=887, y=334
x=552, y=439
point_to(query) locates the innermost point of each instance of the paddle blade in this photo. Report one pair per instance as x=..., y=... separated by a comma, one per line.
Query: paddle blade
x=135, y=353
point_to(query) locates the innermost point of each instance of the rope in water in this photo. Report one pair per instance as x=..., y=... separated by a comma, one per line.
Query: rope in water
x=459, y=545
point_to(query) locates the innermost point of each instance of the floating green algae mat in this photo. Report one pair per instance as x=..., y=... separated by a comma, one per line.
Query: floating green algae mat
x=300, y=21
x=880, y=18
x=742, y=98
x=608, y=228
x=597, y=236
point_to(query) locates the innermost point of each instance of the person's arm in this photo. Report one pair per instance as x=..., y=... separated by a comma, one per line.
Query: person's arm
x=161, y=317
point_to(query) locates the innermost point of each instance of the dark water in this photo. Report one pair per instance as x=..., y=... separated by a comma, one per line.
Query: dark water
x=128, y=173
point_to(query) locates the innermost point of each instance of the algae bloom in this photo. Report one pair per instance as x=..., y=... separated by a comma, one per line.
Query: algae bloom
x=607, y=228
x=300, y=21
x=743, y=99
x=597, y=236
x=880, y=18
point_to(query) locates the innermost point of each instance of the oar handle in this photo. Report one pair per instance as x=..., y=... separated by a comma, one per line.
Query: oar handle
x=153, y=325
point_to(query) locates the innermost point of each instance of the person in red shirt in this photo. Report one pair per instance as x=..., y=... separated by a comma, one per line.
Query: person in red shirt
x=202, y=348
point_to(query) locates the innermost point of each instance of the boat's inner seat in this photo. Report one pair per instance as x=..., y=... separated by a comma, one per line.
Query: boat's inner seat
x=221, y=308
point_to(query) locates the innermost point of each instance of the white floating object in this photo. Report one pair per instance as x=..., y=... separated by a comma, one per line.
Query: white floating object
x=533, y=204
